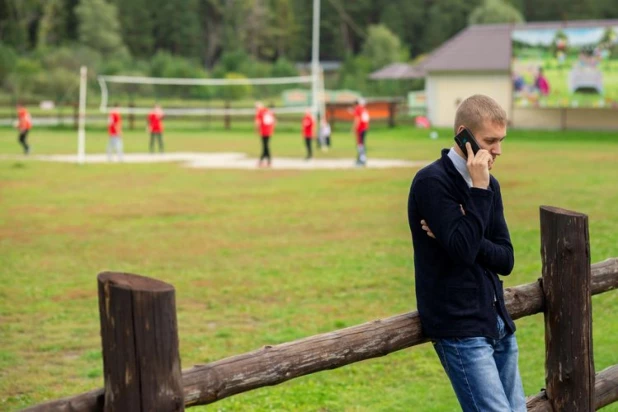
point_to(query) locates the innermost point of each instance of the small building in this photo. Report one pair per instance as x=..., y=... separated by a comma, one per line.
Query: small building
x=479, y=59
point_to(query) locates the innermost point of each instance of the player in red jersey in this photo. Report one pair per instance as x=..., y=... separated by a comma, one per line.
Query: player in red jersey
x=308, y=132
x=360, y=128
x=24, y=124
x=155, y=127
x=265, y=126
x=114, y=128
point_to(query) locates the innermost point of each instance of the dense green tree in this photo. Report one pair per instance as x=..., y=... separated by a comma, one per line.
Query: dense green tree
x=177, y=27
x=283, y=68
x=444, y=19
x=255, y=28
x=53, y=25
x=211, y=14
x=137, y=26
x=70, y=58
x=495, y=11
x=59, y=84
x=99, y=27
x=406, y=18
x=283, y=26
x=8, y=58
x=382, y=47
x=21, y=81
x=19, y=22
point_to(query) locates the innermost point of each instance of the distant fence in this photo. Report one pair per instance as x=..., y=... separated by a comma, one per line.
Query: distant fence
x=386, y=111
x=142, y=366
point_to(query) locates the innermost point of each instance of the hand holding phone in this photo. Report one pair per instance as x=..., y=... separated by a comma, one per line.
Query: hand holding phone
x=479, y=165
x=466, y=136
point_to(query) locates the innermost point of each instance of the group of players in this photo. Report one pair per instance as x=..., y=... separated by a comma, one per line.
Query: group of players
x=265, y=122
x=114, y=129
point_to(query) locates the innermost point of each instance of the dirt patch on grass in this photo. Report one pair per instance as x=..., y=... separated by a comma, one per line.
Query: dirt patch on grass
x=229, y=160
x=75, y=294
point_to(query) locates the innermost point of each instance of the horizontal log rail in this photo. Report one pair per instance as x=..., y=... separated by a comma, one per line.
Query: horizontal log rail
x=271, y=365
x=605, y=392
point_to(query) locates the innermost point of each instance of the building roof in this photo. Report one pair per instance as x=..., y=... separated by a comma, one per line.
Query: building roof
x=399, y=71
x=488, y=47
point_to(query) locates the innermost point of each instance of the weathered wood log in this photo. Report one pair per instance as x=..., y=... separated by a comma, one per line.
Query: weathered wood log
x=272, y=365
x=605, y=389
x=539, y=403
x=139, y=335
x=91, y=401
x=565, y=253
x=523, y=300
x=603, y=276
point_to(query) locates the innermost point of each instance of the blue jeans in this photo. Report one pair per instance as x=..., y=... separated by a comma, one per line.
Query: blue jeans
x=484, y=372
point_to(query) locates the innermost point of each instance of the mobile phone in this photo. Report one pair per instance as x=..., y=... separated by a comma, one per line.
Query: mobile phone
x=464, y=137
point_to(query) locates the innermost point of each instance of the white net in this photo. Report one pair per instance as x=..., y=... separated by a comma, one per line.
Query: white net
x=206, y=97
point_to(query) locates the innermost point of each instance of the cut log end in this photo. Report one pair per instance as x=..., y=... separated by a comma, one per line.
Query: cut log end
x=133, y=282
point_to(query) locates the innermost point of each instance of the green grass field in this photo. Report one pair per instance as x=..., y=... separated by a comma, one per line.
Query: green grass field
x=265, y=257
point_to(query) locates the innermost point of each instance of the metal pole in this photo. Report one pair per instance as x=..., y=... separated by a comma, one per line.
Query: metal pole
x=315, y=57
x=81, y=132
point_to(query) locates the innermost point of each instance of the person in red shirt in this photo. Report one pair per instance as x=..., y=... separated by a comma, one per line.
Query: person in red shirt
x=265, y=126
x=360, y=128
x=308, y=129
x=155, y=127
x=24, y=124
x=114, y=128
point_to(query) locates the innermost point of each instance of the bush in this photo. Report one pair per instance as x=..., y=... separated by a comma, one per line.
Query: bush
x=22, y=80
x=235, y=92
x=8, y=58
x=284, y=68
x=58, y=84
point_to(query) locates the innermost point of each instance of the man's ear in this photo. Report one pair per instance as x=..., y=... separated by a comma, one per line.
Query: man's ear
x=460, y=128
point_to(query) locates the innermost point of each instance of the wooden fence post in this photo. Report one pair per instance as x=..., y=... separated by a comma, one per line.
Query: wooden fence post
x=565, y=252
x=131, y=116
x=226, y=116
x=139, y=335
x=75, y=115
x=392, y=109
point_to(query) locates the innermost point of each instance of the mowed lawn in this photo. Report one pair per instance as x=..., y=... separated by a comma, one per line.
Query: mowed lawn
x=260, y=257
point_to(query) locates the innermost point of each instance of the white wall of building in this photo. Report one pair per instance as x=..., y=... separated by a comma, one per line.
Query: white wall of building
x=446, y=90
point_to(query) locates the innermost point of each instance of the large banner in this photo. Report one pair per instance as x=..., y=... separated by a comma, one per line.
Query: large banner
x=571, y=67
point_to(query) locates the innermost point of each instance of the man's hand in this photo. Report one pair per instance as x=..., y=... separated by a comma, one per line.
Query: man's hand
x=478, y=166
x=426, y=229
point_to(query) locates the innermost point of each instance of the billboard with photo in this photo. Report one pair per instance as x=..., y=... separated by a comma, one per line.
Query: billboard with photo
x=569, y=67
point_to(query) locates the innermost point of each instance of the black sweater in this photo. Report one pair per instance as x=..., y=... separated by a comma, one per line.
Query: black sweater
x=457, y=288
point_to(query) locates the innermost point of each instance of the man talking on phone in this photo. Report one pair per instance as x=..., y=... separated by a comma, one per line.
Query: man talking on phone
x=461, y=246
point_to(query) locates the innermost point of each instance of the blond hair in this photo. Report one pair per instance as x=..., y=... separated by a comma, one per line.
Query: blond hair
x=473, y=112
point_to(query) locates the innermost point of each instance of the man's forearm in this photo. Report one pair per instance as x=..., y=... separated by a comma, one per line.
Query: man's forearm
x=497, y=257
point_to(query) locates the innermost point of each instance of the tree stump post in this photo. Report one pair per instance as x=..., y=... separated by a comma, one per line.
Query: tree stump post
x=565, y=253
x=392, y=110
x=226, y=116
x=139, y=334
x=131, y=116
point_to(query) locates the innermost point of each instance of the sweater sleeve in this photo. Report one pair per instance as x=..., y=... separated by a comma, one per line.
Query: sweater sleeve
x=461, y=235
x=496, y=253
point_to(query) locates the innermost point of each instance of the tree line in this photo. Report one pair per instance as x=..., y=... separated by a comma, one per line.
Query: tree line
x=43, y=42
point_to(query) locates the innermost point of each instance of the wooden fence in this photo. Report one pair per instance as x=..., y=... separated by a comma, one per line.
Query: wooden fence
x=390, y=112
x=142, y=366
